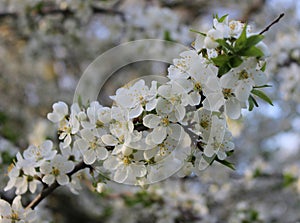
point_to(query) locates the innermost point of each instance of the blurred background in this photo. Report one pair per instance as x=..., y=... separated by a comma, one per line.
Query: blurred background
x=45, y=46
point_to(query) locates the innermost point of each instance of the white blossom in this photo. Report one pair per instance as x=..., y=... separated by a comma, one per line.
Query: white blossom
x=56, y=170
x=16, y=212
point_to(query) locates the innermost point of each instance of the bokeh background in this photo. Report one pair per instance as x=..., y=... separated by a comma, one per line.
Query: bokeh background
x=45, y=46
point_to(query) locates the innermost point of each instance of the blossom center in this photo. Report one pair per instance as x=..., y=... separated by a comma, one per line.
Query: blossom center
x=243, y=75
x=55, y=171
x=227, y=92
x=165, y=121
x=126, y=160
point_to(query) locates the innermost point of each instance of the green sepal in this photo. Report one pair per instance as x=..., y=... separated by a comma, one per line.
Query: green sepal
x=262, y=95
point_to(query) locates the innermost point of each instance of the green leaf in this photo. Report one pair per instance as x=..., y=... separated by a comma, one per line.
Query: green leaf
x=209, y=160
x=223, y=70
x=253, y=40
x=235, y=61
x=229, y=153
x=288, y=179
x=195, y=31
x=167, y=36
x=226, y=163
x=241, y=41
x=220, y=60
x=251, y=52
x=252, y=103
x=263, y=86
x=222, y=18
x=262, y=95
x=224, y=44
x=263, y=68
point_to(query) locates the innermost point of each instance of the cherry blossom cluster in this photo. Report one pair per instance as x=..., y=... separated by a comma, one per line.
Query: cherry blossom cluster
x=150, y=129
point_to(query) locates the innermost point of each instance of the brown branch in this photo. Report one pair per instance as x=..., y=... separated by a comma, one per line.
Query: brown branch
x=48, y=190
x=274, y=22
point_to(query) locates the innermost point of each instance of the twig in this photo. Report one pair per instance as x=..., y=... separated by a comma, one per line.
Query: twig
x=274, y=22
x=48, y=190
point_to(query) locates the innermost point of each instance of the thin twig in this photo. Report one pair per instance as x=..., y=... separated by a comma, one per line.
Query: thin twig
x=48, y=190
x=274, y=22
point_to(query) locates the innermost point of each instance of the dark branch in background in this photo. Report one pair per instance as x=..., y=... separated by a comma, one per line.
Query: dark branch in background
x=49, y=189
x=274, y=22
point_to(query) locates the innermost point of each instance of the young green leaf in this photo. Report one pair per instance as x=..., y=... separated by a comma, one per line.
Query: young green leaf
x=263, y=86
x=223, y=70
x=220, y=60
x=198, y=32
x=252, y=103
x=241, y=41
x=220, y=20
x=262, y=95
x=252, y=52
x=235, y=61
x=224, y=44
x=263, y=68
x=226, y=163
x=253, y=40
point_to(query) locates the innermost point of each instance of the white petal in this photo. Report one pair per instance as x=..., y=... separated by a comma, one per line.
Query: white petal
x=233, y=108
x=67, y=141
x=151, y=105
x=179, y=112
x=109, y=140
x=151, y=121
x=159, y=134
x=221, y=155
x=121, y=174
x=148, y=154
x=111, y=163
x=102, y=153
x=89, y=157
x=62, y=179
x=135, y=112
x=48, y=179
x=213, y=101
x=47, y=145
x=33, y=186
x=81, y=144
x=5, y=208
x=67, y=166
x=16, y=204
x=46, y=168
x=87, y=135
x=60, y=107
x=163, y=106
x=174, y=131
x=53, y=117
x=208, y=151
x=194, y=98
x=229, y=80
x=139, y=170
x=242, y=91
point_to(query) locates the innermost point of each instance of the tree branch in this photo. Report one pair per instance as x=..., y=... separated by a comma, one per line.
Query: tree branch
x=48, y=190
x=274, y=22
